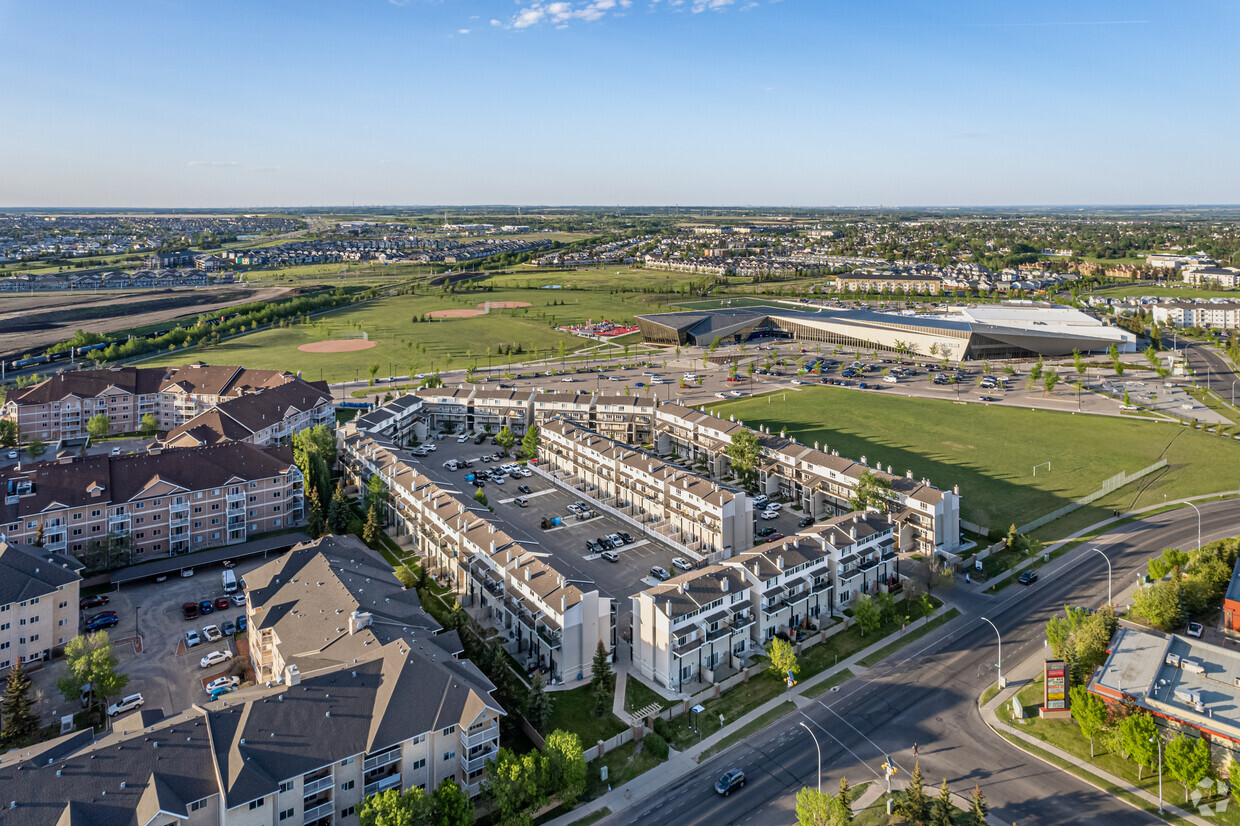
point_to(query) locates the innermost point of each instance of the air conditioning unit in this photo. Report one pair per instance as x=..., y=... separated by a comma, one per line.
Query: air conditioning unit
x=1193, y=666
x=1191, y=696
x=1174, y=660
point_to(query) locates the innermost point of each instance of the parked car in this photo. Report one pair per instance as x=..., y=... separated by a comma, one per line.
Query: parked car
x=211, y=633
x=125, y=704
x=805, y=522
x=221, y=682
x=214, y=658
x=229, y=628
x=242, y=624
x=100, y=623
x=206, y=606
x=610, y=556
x=616, y=539
x=238, y=599
x=190, y=610
x=660, y=574
x=192, y=638
x=92, y=602
x=524, y=489
x=769, y=514
x=628, y=540
x=1027, y=577
x=760, y=500
x=222, y=604
x=767, y=531
x=218, y=692
x=773, y=506
x=592, y=546
x=12, y=454
x=731, y=780
x=1195, y=629
x=775, y=537
x=606, y=543
x=681, y=563
x=101, y=615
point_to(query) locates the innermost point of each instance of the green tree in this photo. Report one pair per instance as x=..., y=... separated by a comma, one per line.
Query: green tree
x=9, y=433
x=941, y=810
x=90, y=660
x=865, y=612
x=1049, y=379
x=20, y=721
x=513, y=786
x=601, y=681
x=815, y=808
x=783, y=658
x=396, y=808
x=1136, y=738
x=480, y=496
x=373, y=526
x=405, y=576
x=886, y=606
x=338, y=511
x=1078, y=362
x=35, y=448
x=744, y=455
x=505, y=439
x=566, y=767
x=872, y=491
x=1089, y=712
x=915, y=804
x=376, y=494
x=373, y=370
x=98, y=426
x=1160, y=603
x=315, y=524
x=529, y=442
x=1187, y=759
x=538, y=711
x=450, y=805
x=150, y=426
x=846, y=799
x=978, y=808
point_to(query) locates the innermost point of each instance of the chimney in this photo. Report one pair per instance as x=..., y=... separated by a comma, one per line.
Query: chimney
x=527, y=572
x=723, y=584
x=908, y=474
x=563, y=603
x=492, y=546
x=863, y=461
x=292, y=675
x=889, y=473
x=359, y=620
x=779, y=562
x=680, y=587
x=956, y=489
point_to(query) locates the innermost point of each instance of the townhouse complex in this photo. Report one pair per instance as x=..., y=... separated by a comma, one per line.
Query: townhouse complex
x=702, y=625
x=546, y=620
x=161, y=503
x=366, y=701
x=38, y=602
x=1216, y=314
x=61, y=406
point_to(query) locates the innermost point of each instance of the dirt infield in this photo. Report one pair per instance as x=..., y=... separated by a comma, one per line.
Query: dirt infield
x=503, y=305
x=336, y=345
x=454, y=313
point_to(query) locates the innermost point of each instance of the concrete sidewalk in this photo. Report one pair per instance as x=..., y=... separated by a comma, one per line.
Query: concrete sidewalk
x=681, y=763
x=1027, y=671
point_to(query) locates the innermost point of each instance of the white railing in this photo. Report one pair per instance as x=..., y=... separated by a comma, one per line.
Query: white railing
x=323, y=810
x=381, y=784
x=478, y=762
x=477, y=738
x=316, y=786
x=380, y=760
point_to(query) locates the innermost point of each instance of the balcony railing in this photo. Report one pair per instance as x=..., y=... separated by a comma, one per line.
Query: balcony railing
x=381, y=784
x=325, y=810
x=471, y=740
x=316, y=786
x=381, y=760
x=478, y=761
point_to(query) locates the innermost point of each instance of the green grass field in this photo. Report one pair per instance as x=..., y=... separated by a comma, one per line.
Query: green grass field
x=991, y=451
x=1164, y=292
x=422, y=347
x=599, y=278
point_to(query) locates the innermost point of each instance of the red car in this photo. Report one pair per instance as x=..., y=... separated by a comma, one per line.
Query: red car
x=733, y=378
x=222, y=604
x=775, y=537
x=190, y=610
x=92, y=602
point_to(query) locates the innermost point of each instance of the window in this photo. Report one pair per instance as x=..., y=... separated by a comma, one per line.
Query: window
x=258, y=804
x=348, y=811
x=346, y=785
x=417, y=764
x=34, y=619
x=418, y=738
x=448, y=755
x=64, y=605
x=346, y=761
x=448, y=730
x=197, y=804
x=287, y=814
x=287, y=786
x=139, y=506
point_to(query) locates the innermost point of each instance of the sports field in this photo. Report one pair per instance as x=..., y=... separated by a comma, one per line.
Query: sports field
x=404, y=347
x=601, y=278
x=990, y=451
x=1166, y=292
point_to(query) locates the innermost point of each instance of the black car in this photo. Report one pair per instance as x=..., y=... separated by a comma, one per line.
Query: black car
x=480, y=438
x=524, y=489
x=767, y=531
x=628, y=540
x=731, y=780
x=606, y=543
x=593, y=547
x=660, y=574
x=805, y=522
x=1027, y=577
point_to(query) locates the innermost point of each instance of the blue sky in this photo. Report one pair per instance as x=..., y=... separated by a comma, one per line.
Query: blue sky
x=727, y=102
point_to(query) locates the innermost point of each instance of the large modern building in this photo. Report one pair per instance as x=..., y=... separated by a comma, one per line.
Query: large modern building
x=1009, y=330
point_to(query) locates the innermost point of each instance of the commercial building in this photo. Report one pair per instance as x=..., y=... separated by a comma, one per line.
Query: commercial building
x=161, y=503
x=38, y=602
x=1231, y=601
x=60, y=407
x=1009, y=330
x=381, y=703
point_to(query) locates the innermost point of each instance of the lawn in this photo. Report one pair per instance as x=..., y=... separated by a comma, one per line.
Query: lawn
x=990, y=451
x=637, y=695
x=573, y=710
x=764, y=720
x=844, y=644
x=603, y=278
x=403, y=347
x=916, y=634
x=1164, y=292
x=733, y=704
x=623, y=764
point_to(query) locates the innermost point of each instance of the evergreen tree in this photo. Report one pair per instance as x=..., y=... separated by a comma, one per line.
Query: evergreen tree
x=20, y=721
x=941, y=811
x=845, y=798
x=978, y=809
x=539, y=709
x=370, y=531
x=530, y=441
x=602, y=667
x=913, y=807
x=338, y=512
x=314, y=518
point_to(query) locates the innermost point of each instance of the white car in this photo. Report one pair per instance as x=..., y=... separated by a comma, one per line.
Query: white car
x=451, y=464
x=222, y=682
x=797, y=381
x=891, y=379
x=769, y=514
x=464, y=437
x=12, y=454
x=681, y=563
x=761, y=500
x=773, y=506
x=431, y=446
x=192, y=638
x=125, y=704
x=215, y=658
x=212, y=633
x=526, y=472
x=238, y=600
x=725, y=395
x=568, y=379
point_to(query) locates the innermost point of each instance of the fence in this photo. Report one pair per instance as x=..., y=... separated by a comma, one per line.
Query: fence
x=1114, y=483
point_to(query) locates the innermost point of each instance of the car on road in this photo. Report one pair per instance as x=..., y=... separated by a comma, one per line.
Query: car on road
x=775, y=537
x=524, y=489
x=192, y=638
x=731, y=780
x=211, y=633
x=1195, y=629
x=206, y=606
x=229, y=628
x=214, y=658
x=125, y=704
x=190, y=610
x=1027, y=577
x=101, y=622
x=464, y=437
x=610, y=556
x=681, y=563
x=222, y=682
x=12, y=454
x=769, y=514
x=222, y=604
x=660, y=574
x=92, y=602
x=891, y=379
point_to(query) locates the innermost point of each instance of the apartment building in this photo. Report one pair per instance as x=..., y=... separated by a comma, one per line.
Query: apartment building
x=706, y=517
x=1217, y=315
x=161, y=503
x=822, y=482
x=493, y=410
x=398, y=422
x=60, y=406
x=270, y=417
x=38, y=602
x=875, y=283
x=1225, y=278
x=546, y=621
x=368, y=700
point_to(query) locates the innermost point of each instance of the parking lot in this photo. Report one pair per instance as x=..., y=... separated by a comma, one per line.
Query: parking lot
x=149, y=641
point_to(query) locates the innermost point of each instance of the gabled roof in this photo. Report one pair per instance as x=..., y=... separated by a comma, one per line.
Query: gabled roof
x=27, y=571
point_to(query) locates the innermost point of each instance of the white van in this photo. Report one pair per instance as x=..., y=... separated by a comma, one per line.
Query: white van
x=230, y=582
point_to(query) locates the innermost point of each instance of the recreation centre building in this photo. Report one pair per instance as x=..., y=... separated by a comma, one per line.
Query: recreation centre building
x=992, y=331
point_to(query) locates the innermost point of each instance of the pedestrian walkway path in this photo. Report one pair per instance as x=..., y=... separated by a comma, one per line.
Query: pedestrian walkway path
x=1023, y=675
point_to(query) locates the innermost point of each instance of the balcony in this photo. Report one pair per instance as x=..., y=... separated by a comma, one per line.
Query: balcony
x=380, y=760
x=315, y=786
x=324, y=810
x=382, y=784
x=479, y=761
x=471, y=740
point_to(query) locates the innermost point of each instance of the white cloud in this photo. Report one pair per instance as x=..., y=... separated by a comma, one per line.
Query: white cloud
x=710, y=5
x=214, y=163
x=462, y=31
x=560, y=13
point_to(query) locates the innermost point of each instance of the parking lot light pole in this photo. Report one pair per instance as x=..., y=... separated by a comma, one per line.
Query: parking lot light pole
x=1108, y=559
x=1194, y=507
x=811, y=734
x=1000, y=638
x=1158, y=740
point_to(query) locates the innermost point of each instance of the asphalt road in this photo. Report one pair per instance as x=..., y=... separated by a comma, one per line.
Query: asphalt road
x=1219, y=377
x=928, y=694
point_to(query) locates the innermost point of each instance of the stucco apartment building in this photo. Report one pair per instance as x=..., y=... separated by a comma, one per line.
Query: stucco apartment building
x=703, y=516
x=1217, y=315
x=38, y=602
x=60, y=406
x=269, y=417
x=822, y=482
x=371, y=707
x=865, y=282
x=545, y=619
x=161, y=503
x=625, y=418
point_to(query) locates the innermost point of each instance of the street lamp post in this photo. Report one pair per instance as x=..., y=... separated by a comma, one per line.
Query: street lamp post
x=1000, y=638
x=1158, y=741
x=1108, y=559
x=1194, y=507
x=811, y=734
x=1233, y=392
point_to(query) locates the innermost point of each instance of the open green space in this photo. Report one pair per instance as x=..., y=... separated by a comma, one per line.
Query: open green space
x=912, y=636
x=732, y=704
x=625, y=279
x=1137, y=290
x=403, y=346
x=573, y=710
x=623, y=764
x=637, y=695
x=990, y=452
x=842, y=645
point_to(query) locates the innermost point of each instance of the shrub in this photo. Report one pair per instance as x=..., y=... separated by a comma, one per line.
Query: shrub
x=662, y=728
x=656, y=745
